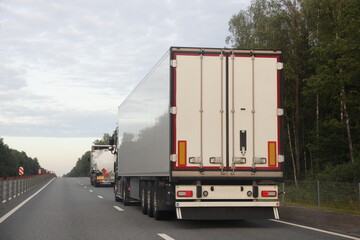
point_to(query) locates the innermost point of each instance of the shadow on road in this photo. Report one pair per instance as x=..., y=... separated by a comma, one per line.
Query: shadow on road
x=193, y=224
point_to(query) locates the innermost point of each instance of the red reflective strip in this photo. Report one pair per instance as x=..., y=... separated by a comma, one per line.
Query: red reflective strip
x=268, y=193
x=184, y=193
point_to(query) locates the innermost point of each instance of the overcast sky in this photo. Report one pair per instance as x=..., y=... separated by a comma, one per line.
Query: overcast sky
x=66, y=65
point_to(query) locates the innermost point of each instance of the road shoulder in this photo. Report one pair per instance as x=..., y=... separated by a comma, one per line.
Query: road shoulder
x=329, y=220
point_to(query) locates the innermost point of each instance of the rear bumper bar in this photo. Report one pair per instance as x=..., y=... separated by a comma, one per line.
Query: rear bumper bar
x=227, y=213
x=227, y=210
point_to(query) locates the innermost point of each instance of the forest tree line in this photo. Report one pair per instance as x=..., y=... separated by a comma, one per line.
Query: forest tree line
x=320, y=42
x=11, y=160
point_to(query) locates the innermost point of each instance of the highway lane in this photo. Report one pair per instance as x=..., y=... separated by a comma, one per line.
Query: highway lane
x=70, y=208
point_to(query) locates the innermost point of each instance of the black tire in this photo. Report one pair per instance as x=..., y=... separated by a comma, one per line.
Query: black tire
x=92, y=179
x=117, y=198
x=150, y=195
x=157, y=214
x=143, y=195
x=125, y=193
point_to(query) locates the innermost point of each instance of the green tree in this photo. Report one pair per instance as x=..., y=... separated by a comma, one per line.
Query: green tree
x=278, y=24
x=11, y=160
x=105, y=140
x=82, y=167
x=334, y=30
x=320, y=41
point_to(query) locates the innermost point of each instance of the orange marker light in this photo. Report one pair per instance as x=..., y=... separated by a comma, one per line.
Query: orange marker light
x=272, y=154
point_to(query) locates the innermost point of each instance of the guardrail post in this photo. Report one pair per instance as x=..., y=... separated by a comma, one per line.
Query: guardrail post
x=7, y=191
x=283, y=194
x=17, y=186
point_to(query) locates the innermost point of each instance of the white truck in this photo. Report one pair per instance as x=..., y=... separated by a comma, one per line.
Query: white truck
x=102, y=165
x=201, y=136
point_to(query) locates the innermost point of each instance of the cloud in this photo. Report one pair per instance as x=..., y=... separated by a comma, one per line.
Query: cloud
x=11, y=79
x=67, y=65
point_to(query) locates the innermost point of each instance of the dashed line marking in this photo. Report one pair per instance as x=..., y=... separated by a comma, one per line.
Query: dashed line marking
x=118, y=208
x=100, y=196
x=85, y=186
x=315, y=229
x=165, y=236
x=90, y=190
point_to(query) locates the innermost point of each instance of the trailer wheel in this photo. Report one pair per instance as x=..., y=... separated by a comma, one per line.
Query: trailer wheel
x=117, y=198
x=144, y=204
x=157, y=214
x=92, y=179
x=125, y=193
x=150, y=195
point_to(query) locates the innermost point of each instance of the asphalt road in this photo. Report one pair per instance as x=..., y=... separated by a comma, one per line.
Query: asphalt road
x=70, y=208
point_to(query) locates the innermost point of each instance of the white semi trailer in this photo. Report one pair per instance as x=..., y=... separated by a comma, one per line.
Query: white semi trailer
x=201, y=136
x=102, y=165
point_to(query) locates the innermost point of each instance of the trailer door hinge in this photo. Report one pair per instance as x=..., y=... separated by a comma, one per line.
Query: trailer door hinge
x=279, y=65
x=173, y=63
x=280, y=112
x=173, y=158
x=173, y=110
x=280, y=158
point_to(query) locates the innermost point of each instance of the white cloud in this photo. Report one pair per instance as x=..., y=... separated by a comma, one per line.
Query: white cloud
x=61, y=57
x=66, y=65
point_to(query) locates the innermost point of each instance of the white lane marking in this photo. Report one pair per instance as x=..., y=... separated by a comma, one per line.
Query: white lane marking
x=85, y=186
x=165, y=236
x=118, y=208
x=100, y=196
x=90, y=190
x=3, y=218
x=315, y=229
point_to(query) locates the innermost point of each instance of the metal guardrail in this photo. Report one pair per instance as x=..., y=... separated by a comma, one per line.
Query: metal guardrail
x=12, y=187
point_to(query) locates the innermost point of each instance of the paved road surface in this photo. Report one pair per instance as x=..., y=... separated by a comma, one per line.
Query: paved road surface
x=70, y=208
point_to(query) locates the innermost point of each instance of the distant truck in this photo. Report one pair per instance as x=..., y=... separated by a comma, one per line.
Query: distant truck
x=201, y=136
x=102, y=165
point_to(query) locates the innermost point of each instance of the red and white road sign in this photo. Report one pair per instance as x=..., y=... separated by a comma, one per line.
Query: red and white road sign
x=39, y=171
x=21, y=171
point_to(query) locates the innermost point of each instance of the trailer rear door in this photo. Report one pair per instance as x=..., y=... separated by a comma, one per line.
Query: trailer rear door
x=226, y=112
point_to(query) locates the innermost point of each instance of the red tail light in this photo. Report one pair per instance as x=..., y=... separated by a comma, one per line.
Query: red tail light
x=268, y=193
x=184, y=193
